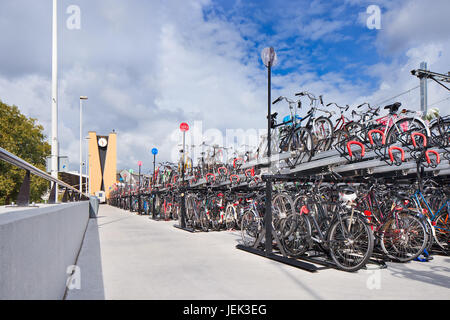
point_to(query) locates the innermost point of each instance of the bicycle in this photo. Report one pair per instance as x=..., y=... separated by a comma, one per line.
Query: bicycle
x=343, y=234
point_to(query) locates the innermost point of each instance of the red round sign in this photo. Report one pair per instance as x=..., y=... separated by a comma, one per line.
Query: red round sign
x=139, y=163
x=184, y=127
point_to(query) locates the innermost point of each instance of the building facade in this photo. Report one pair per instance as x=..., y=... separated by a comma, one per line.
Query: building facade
x=102, y=162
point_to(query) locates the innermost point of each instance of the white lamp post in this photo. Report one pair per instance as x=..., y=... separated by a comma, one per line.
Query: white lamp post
x=86, y=165
x=55, y=152
x=81, y=141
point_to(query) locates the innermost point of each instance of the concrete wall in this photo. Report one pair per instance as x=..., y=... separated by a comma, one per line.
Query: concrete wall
x=36, y=247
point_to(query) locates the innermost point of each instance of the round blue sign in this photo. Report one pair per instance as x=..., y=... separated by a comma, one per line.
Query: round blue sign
x=154, y=151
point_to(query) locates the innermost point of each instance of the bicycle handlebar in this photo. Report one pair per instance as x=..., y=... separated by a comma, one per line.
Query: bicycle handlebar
x=311, y=97
x=331, y=103
x=331, y=113
x=278, y=99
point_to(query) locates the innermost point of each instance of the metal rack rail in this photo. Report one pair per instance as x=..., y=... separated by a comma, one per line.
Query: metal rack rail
x=23, y=198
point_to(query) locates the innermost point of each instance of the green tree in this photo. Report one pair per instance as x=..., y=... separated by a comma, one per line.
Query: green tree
x=23, y=137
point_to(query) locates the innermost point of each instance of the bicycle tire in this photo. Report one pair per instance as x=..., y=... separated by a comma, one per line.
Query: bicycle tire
x=204, y=220
x=440, y=132
x=250, y=228
x=442, y=231
x=301, y=145
x=350, y=253
x=230, y=220
x=395, y=241
x=296, y=235
x=338, y=137
x=323, y=138
x=416, y=125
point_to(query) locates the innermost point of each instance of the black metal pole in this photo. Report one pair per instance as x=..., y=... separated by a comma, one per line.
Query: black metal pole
x=183, y=204
x=139, y=192
x=268, y=216
x=154, y=183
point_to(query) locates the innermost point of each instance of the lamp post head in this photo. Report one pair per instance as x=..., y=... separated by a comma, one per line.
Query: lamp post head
x=83, y=98
x=184, y=127
x=269, y=57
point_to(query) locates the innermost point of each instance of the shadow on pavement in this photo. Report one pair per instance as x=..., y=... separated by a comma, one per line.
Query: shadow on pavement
x=90, y=264
x=429, y=276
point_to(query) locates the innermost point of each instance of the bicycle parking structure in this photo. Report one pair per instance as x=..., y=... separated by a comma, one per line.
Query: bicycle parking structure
x=397, y=161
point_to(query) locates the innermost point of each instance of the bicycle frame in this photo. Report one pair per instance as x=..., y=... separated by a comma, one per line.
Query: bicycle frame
x=341, y=123
x=392, y=120
x=424, y=201
x=419, y=196
x=321, y=213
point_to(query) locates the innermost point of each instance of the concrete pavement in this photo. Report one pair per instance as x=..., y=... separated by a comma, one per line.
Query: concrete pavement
x=125, y=256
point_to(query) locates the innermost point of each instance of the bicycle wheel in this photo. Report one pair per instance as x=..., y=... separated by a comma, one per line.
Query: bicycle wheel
x=355, y=131
x=251, y=226
x=230, y=218
x=295, y=235
x=404, y=125
x=404, y=237
x=301, y=146
x=323, y=133
x=203, y=220
x=338, y=137
x=215, y=221
x=442, y=231
x=440, y=131
x=429, y=230
x=190, y=213
x=350, y=242
x=168, y=212
x=175, y=212
x=282, y=206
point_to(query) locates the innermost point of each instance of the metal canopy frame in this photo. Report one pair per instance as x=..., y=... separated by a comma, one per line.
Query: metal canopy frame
x=437, y=77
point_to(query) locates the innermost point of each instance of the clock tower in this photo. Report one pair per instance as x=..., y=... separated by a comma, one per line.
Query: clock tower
x=102, y=162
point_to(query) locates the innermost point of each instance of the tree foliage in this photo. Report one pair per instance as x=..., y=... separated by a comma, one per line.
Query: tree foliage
x=23, y=137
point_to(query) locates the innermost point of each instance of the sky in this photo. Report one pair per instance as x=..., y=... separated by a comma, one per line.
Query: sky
x=147, y=66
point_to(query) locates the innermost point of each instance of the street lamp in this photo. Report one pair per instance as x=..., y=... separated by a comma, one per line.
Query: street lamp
x=55, y=151
x=154, y=152
x=269, y=58
x=184, y=127
x=81, y=140
x=86, y=182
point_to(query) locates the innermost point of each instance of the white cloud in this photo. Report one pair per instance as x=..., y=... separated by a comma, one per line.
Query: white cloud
x=414, y=23
x=148, y=67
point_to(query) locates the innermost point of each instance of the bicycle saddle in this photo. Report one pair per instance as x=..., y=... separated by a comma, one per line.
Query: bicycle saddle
x=273, y=118
x=273, y=115
x=393, y=107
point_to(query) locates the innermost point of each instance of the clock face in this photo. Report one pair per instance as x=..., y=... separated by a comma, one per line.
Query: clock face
x=102, y=142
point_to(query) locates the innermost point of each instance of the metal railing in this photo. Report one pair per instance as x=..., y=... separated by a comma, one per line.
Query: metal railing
x=23, y=198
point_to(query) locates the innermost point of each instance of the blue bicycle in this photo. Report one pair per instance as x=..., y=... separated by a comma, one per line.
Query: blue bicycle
x=436, y=211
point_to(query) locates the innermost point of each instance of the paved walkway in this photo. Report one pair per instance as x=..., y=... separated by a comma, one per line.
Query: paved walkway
x=125, y=256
